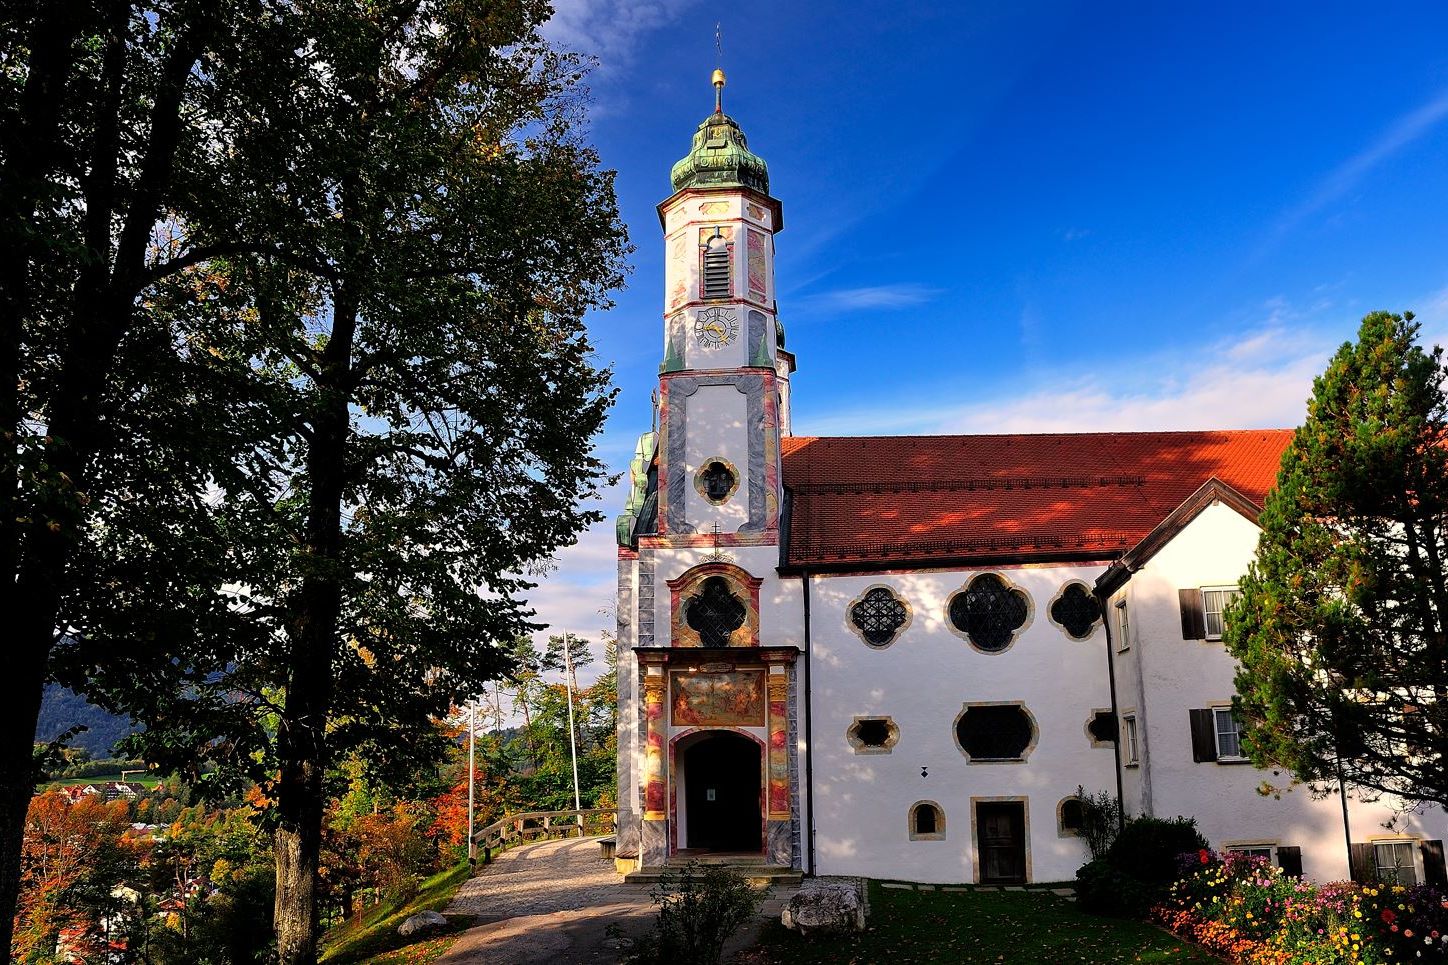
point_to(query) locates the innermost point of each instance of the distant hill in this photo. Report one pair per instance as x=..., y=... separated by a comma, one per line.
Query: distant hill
x=62, y=708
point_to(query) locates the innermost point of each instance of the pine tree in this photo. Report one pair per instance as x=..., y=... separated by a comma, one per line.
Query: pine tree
x=1342, y=626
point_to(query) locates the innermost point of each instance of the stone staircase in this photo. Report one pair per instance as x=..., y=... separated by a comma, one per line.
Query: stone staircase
x=752, y=867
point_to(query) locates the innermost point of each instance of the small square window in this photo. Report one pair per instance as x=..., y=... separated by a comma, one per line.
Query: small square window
x=1129, y=727
x=1229, y=735
x=1393, y=861
x=1263, y=851
x=1214, y=603
x=1123, y=627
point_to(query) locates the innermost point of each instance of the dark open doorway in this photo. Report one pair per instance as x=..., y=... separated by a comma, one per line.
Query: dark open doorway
x=721, y=793
x=1000, y=834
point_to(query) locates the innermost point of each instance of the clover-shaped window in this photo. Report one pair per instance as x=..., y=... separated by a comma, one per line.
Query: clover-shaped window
x=717, y=481
x=879, y=616
x=1076, y=610
x=989, y=612
x=873, y=735
x=995, y=732
x=714, y=613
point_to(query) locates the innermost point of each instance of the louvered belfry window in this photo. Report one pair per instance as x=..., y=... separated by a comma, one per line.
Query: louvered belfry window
x=1076, y=610
x=878, y=616
x=714, y=612
x=989, y=612
x=716, y=269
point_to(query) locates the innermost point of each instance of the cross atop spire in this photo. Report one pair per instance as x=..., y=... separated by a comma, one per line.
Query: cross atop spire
x=718, y=78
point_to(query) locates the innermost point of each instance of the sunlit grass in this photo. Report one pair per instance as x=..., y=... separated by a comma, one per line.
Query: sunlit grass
x=372, y=936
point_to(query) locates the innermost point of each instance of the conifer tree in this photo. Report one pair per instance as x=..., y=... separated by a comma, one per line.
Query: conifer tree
x=1342, y=626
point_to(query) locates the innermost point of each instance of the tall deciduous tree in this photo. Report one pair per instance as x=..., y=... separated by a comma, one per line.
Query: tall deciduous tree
x=438, y=229
x=1342, y=626
x=102, y=120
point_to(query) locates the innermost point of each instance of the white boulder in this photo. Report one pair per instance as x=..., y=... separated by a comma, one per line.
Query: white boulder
x=421, y=923
x=825, y=908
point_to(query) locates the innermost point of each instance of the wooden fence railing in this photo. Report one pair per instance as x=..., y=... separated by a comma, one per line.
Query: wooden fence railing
x=536, y=825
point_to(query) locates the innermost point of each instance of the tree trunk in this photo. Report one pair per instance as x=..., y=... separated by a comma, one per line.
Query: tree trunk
x=302, y=736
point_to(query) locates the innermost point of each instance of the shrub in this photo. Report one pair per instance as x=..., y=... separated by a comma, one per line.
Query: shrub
x=1104, y=890
x=1147, y=849
x=699, y=908
x=1100, y=820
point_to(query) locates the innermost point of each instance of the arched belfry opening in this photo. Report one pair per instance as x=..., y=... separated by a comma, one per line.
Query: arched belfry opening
x=720, y=797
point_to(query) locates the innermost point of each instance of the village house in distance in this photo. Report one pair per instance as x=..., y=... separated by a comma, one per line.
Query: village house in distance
x=899, y=657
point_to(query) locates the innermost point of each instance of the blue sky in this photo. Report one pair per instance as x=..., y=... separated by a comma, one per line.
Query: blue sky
x=1034, y=216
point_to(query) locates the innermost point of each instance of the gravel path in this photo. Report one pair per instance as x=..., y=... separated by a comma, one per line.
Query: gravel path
x=554, y=902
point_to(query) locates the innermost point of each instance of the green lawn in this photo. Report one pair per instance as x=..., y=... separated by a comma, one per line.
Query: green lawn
x=1026, y=928
x=372, y=936
x=148, y=780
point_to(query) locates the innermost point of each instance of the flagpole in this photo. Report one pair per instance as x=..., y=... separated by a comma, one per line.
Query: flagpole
x=472, y=770
x=572, y=740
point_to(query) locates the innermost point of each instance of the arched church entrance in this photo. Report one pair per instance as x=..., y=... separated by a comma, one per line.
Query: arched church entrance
x=722, y=792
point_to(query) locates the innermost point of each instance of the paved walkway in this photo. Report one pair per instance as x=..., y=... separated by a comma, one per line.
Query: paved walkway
x=553, y=902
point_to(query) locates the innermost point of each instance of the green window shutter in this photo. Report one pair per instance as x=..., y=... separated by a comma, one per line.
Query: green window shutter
x=1289, y=859
x=1435, y=872
x=1361, y=864
x=1194, y=624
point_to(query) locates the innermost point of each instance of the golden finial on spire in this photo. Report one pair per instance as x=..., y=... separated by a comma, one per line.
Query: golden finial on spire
x=718, y=79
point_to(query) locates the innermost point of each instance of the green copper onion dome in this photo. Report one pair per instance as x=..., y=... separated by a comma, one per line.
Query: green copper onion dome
x=720, y=156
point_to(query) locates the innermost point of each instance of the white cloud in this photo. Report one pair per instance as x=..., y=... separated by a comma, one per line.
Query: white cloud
x=1346, y=176
x=609, y=29
x=904, y=295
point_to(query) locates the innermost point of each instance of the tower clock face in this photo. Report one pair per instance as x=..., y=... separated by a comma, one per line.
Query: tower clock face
x=715, y=327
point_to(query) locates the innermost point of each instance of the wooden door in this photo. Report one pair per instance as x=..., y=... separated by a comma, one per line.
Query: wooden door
x=1000, y=832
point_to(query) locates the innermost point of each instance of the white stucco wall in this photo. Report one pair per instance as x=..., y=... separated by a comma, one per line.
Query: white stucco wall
x=1178, y=675
x=922, y=681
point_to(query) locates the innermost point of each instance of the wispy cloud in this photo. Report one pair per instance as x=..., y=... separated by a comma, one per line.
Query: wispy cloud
x=609, y=29
x=1346, y=176
x=875, y=297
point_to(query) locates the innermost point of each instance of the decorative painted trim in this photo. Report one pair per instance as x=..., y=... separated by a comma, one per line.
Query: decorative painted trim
x=699, y=480
x=741, y=583
x=1010, y=585
x=1025, y=754
x=1100, y=616
x=899, y=632
x=938, y=834
x=778, y=787
x=757, y=387
x=758, y=347
x=892, y=736
x=975, y=834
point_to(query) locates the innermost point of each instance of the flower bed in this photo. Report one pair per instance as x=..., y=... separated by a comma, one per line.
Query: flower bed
x=1242, y=909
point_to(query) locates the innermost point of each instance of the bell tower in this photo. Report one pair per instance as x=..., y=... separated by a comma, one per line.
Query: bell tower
x=724, y=379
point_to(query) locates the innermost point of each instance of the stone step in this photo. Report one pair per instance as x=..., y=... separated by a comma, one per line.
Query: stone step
x=732, y=860
x=758, y=875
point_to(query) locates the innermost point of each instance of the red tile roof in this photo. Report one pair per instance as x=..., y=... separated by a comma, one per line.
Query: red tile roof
x=917, y=499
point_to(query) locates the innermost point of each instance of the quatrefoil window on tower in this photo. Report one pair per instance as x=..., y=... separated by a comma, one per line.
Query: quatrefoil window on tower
x=1076, y=611
x=714, y=613
x=989, y=612
x=879, y=616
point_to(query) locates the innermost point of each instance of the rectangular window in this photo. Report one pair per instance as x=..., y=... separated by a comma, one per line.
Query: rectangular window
x=1129, y=723
x=1214, y=602
x=1253, y=851
x=1123, y=626
x=1393, y=861
x=1229, y=735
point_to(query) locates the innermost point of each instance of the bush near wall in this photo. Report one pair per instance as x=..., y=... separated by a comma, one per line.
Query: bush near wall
x=1249, y=912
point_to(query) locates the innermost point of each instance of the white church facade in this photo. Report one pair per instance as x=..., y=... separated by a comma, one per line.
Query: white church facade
x=901, y=657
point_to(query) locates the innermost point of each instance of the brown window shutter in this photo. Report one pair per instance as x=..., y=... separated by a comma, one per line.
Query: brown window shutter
x=1361, y=864
x=1194, y=625
x=1435, y=871
x=1289, y=859
x=1204, y=736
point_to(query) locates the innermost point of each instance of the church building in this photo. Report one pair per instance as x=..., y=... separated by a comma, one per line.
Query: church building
x=906, y=657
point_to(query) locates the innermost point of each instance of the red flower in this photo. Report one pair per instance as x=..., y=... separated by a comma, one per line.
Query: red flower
x=1204, y=855
x=1388, y=915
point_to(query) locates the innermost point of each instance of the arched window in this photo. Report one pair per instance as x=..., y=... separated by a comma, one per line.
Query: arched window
x=717, y=281
x=989, y=612
x=1071, y=817
x=715, y=604
x=927, y=821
